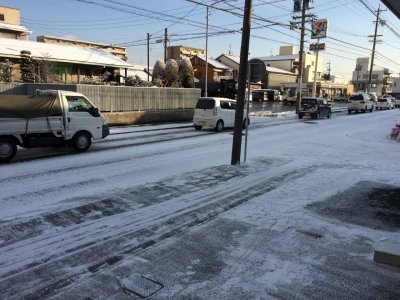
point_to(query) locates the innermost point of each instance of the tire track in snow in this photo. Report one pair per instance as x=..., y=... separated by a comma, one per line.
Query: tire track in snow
x=90, y=245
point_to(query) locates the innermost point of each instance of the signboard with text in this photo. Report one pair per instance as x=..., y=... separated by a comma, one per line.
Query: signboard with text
x=319, y=29
x=317, y=47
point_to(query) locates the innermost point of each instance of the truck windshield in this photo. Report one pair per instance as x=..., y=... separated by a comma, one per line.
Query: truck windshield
x=77, y=103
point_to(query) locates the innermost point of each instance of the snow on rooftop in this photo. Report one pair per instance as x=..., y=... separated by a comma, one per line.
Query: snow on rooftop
x=214, y=63
x=278, y=57
x=14, y=27
x=61, y=53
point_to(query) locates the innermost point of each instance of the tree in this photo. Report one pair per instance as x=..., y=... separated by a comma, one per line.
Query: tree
x=5, y=71
x=27, y=67
x=186, y=73
x=171, y=74
x=44, y=67
x=158, y=73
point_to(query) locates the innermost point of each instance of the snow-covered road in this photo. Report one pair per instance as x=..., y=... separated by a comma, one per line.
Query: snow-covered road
x=158, y=209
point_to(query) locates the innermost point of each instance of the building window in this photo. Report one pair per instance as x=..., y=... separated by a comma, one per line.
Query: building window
x=2, y=17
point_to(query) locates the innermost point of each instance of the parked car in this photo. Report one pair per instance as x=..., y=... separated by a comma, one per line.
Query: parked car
x=385, y=103
x=360, y=102
x=314, y=108
x=397, y=101
x=266, y=95
x=216, y=113
x=339, y=98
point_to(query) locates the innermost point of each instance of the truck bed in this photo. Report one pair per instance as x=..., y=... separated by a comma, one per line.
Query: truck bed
x=25, y=126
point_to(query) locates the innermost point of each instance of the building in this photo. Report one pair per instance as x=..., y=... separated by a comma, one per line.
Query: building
x=68, y=64
x=179, y=52
x=10, y=24
x=288, y=60
x=118, y=51
x=232, y=62
x=69, y=60
x=215, y=70
x=396, y=86
x=381, y=81
x=269, y=77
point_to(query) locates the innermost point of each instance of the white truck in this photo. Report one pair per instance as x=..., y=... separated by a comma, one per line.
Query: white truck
x=50, y=118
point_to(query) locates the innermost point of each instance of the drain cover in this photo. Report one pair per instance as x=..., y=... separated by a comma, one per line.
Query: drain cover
x=140, y=285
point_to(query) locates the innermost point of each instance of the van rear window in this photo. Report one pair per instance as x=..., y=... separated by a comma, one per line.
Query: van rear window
x=205, y=104
x=356, y=97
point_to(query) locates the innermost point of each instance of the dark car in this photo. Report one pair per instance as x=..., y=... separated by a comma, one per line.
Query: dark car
x=315, y=108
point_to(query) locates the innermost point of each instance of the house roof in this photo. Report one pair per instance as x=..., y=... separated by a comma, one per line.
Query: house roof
x=279, y=57
x=235, y=59
x=277, y=70
x=138, y=70
x=214, y=63
x=12, y=48
x=12, y=27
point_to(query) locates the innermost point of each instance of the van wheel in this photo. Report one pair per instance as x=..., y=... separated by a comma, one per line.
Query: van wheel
x=371, y=109
x=220, y=126
x=349, y=111
x=8, y=149
x=365, y=110
x=197, y=127
x=81, y=141
x=300, y=116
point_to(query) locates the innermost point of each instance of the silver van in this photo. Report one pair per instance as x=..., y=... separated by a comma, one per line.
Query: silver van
x=215, y=113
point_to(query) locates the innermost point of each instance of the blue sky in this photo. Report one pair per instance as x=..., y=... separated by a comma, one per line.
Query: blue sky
x=128, y=22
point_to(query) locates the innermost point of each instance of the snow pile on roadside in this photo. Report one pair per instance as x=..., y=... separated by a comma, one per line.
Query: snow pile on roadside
x=268, y=113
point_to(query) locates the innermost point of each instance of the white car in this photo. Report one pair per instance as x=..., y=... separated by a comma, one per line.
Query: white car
x=385, y=103
x=216, y=113
x=360, y=102
x=397, y=101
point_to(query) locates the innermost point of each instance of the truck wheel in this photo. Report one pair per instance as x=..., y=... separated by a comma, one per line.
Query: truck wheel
x=8, y=149
x=197, y=127
x=371, y=109
x=246, y=123
x=300, y=116
x=329, y=114
x=349, y=111
x=81, y=141
x=220, y=126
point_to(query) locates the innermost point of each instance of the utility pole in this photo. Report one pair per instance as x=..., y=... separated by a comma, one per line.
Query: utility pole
x=165, y=44
x=314, y=87
x=148, y=56
x=373, y=49
x=300, y=74
x=206, y=79
x=244, y=57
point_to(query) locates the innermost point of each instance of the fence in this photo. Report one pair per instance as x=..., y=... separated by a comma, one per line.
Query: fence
x=117, y=98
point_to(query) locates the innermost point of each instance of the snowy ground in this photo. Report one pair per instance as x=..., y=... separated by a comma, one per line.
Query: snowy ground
x=158, y=211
